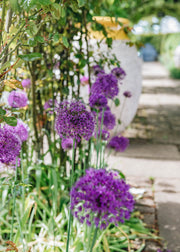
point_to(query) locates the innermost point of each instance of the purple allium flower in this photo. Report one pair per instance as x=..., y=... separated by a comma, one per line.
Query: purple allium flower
x=84, y=80
x=97, y=70
x=109, y=119
x=49, y=105
x=17, y=99
x=10, y=146
x=119, y=143
x=119, y=73
x=107, y=85
x=67, y=144
x=74, y=121
x=21, y=129
x=127, y=94
x=97, y=100
x=101, y=198
x=26, y=83
x=104, y=134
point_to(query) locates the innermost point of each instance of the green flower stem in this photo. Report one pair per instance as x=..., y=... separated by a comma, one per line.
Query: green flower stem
x=14, y=201
x=94, y=239
x=71, y=183
x=99, y=149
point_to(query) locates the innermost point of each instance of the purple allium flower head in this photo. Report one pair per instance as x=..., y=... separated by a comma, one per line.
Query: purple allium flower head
x=127, y=94
x=109, y=119
x=104, y=134
x=67, y=144
x=97, y=70
x=84, y=80
x=26, y=83
x=74, y=121
x=100, y=197
x=119, y=73
x=21, y=129
x=10, y=145
x=119, y=143
x=17, y=99
x=107, y=85
x=49, y=105
x=97, y=100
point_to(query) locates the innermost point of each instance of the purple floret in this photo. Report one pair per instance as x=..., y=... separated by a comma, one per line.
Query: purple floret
x=97, y=70
x=104, y=134
x=127, y=94
x=17, y=99
x=67, y=144
x=73, y=120
x=26, y=83
x=109, y=119
x=100, y=198
x=21, y=129
x=107, y=85
x=119, y=143
x=10, y=146
x=119, y=73
x=97, y=101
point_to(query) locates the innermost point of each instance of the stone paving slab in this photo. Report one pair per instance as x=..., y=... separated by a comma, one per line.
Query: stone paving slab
x=167, y=197
x=154, y=70
x=152, y=151
x=145, y=167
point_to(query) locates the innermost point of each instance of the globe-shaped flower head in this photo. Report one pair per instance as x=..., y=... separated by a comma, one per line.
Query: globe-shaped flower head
x=26, y=83
x=21, y=130
x=119, y=143
x=74, y=121
x=100, y=197
x=105, y=84
x=109, y=119
x=17, y=99
x=119, y=73
x=97, y=100
x=10, y=145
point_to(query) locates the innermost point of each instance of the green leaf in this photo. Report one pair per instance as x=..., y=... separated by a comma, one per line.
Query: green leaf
x=31, y=56
x=2, y=111
x=109, y=42
x=44, y=2
x=4, y=66
x=39, y=39
x=117, y=102
x=11, y=120
x=81, y=3
x=65, y=42
x=119, y=121
x=56, y=38
x=32, y=42
x=32, y=28
x=122, y=175
x=56, y=10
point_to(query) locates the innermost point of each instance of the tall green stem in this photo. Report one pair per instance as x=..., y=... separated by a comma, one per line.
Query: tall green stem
x=71, y=183
x=94, y=239
x=99, y=138
x=14, y=201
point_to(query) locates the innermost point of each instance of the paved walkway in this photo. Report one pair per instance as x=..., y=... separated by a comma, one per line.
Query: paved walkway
x=154, y=148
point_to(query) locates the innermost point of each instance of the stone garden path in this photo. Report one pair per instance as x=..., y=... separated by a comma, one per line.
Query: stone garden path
x=153, y=157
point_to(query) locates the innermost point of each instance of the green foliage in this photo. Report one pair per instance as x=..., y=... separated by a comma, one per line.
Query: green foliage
x=30, y=56
x=175, y=73
x=165, y=45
